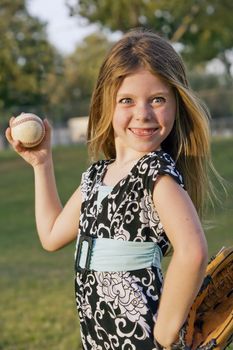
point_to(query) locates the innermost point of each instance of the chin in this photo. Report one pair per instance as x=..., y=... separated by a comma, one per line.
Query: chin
x=147, y=149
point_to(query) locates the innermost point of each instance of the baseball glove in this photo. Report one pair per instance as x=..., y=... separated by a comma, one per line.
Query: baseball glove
x=210, y=321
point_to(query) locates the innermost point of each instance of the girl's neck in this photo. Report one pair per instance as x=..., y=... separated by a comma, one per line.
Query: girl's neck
x=124, y=163
x=125, y=159
x=121, y=167
x=117, y=170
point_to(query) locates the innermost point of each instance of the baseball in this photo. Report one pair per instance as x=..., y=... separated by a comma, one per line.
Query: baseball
x=29, y=129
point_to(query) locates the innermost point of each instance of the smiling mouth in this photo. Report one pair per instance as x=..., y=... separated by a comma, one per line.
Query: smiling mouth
x=143, y=132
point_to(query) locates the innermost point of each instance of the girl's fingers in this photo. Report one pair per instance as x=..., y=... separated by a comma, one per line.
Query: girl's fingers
x=16, y=144
x=8, y=131
x=8, y=135
x=11, y=121
x=47, y=125
x=48, y=129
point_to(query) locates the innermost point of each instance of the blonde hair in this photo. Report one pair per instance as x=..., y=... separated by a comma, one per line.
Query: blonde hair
x=189, y=141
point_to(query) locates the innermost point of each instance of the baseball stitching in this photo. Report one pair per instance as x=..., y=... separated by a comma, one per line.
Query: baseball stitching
x=26, y=119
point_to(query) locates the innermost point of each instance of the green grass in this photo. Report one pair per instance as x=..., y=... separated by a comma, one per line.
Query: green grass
x=37, y=296
x=222, y=217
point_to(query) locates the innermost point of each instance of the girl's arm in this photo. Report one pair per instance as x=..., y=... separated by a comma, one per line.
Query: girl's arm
x=56, y=226
x=187, y=267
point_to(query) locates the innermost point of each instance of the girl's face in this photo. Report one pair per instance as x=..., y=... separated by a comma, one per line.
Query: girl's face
x=144, y=114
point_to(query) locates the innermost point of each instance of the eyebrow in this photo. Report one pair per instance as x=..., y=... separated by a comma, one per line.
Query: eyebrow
x=156, y=93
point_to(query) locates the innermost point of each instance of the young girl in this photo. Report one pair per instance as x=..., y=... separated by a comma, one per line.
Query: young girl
x=133, y=205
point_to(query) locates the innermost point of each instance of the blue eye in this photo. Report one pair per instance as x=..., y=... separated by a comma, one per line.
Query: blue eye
x=126, y=100
x=158, y=99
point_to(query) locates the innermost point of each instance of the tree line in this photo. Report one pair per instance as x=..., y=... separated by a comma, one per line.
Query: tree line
x=36, y=77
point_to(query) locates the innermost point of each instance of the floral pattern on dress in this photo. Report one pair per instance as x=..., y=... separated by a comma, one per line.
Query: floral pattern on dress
x=117, y=310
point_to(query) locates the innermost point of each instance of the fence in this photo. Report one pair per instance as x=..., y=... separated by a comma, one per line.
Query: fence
x=75, y=131
x=222, y=127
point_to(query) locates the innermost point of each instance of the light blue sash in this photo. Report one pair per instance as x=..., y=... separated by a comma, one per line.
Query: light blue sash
x=115, y=255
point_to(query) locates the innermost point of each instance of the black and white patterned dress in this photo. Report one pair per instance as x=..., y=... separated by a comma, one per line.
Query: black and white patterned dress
x=117, y=310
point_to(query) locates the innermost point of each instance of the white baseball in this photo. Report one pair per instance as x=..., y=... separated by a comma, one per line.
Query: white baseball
x=29, y=129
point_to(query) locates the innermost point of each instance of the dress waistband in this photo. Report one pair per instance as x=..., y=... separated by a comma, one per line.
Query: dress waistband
x=110, y=255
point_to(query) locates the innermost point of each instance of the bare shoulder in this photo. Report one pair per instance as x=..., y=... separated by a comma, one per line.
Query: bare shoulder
x=166, y=188
x=177, y=212
x=171, y=199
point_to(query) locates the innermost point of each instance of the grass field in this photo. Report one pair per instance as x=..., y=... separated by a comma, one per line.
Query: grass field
x=37, y=298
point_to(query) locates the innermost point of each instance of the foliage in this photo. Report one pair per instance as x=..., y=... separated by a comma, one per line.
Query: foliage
x=219, y=101
x=35, y=77
x=71, y=92
x=26, y=58
x=215, y=92
x=203, y=27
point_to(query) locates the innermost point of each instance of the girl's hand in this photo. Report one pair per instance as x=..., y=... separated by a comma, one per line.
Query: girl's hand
x=37, y=155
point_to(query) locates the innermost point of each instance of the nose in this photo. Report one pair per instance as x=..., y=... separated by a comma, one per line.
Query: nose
x=143, y=112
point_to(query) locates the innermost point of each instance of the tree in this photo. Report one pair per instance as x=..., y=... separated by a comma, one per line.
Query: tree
x=26, y=60
x=203, y=27
x=71, y=92
x=213, y=91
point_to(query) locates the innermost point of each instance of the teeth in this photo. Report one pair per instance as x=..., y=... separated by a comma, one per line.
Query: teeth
x=143, y=132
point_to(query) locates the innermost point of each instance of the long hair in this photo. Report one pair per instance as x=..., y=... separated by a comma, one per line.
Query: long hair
x=188, y=142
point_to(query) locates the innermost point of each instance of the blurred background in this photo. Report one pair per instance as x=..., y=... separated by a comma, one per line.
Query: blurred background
x=50, y=54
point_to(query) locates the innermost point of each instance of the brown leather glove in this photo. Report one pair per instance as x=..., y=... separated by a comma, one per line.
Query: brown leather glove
x=210, y=321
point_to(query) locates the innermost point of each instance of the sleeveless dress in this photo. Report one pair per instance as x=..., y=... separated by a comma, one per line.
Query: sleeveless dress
x=117, y=310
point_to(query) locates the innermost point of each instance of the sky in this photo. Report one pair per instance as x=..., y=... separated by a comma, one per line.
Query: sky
x=66, y=32
x=63, y=31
